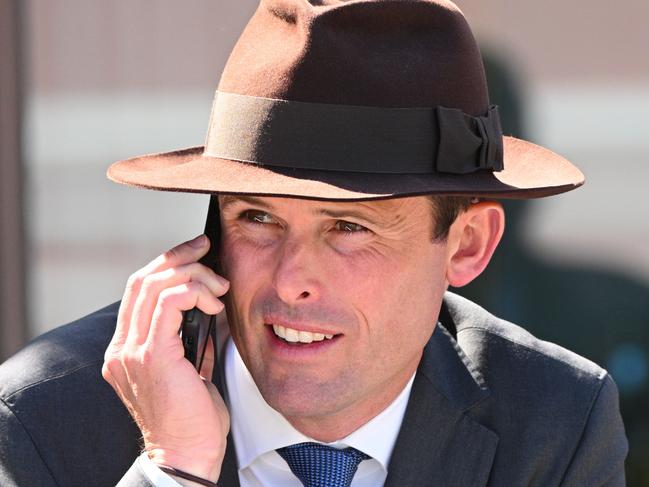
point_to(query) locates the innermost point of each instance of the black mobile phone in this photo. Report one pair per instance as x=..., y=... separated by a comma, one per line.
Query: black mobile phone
x=197, y=326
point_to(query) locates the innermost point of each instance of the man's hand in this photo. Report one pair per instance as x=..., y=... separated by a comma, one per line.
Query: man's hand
x=183, y=419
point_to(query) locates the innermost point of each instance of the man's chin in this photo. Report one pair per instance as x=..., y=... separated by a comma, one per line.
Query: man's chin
x=303, y=399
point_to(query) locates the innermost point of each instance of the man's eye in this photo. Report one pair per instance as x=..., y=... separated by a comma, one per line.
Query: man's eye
x=349, y=227
x=255, y=216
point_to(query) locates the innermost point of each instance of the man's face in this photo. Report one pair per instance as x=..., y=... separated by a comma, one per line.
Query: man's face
x=366, y=274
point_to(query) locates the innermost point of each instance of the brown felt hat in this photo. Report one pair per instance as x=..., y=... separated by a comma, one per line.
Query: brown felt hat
x=352, y=100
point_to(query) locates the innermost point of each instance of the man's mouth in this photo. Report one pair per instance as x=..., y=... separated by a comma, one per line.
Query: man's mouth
x=291, y=335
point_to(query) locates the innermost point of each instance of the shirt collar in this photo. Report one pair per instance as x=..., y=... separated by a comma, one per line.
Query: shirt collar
x=257, y=428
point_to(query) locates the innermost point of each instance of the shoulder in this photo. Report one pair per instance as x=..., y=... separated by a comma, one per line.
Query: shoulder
x=60, y=352
x=493, y=343
x=542, y=398
x=61, y=415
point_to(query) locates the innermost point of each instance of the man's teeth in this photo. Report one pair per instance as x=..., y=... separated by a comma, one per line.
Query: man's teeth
x=296, y=336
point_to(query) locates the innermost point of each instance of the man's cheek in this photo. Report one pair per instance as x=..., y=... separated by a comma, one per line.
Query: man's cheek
x=241, y=266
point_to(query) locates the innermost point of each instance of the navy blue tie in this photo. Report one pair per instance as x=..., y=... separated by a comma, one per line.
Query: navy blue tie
x=318, y=465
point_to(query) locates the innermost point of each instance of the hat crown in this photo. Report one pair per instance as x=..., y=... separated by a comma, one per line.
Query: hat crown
x=383, y=53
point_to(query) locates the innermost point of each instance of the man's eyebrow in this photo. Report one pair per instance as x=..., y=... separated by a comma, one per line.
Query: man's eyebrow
x=229, y=200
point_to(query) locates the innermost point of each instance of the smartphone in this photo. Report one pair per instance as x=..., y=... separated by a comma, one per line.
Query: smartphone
x=197, y=326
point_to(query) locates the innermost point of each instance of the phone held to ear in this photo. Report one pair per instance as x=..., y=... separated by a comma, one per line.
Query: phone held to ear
x=197, y=326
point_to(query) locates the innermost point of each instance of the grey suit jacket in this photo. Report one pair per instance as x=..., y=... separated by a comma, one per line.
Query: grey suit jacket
x=490, y=405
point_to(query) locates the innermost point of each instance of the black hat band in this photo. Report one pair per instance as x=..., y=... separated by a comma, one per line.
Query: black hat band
x=329, y=137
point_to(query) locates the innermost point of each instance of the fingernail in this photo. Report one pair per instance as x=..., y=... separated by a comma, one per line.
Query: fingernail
x=198, y=242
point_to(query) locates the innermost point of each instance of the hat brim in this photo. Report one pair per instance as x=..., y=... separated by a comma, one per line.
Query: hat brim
x=530, y=171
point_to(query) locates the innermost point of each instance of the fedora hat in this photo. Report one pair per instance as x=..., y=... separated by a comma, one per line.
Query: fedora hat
x=355, y=100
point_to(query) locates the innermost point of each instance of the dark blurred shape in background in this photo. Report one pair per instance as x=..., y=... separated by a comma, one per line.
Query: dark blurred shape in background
x=599, y=314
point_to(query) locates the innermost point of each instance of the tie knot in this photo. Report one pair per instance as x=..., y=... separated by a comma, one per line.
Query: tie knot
x=318, y=465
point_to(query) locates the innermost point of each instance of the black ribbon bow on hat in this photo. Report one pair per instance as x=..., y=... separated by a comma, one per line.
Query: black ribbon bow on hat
x=468, y=143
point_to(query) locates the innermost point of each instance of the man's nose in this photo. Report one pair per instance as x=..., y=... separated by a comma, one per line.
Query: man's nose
x=297, y=277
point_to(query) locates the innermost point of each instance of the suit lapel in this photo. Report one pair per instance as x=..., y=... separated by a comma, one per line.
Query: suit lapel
x=439, y=443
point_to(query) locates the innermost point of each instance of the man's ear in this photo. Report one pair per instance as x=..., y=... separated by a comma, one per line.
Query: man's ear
x=472, y=240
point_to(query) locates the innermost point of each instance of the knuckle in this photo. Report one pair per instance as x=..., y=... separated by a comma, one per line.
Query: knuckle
x=128, y=359
x=192, y=271
x=108, y=357
x=111, y=368
x=148, y=283
x=106, y=374
x=134, y=281
x=165, y=298
x=170, y=255
x=146, y=357
x=199, y=289
x=177, y=274
x=197, y=272
x=202, y=277
x=136, y=360
x=156, y=283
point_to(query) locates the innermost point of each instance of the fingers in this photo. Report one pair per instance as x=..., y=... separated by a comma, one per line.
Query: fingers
x=169, y=284
x=168, y=311
x=182, y=254
x=154, y=285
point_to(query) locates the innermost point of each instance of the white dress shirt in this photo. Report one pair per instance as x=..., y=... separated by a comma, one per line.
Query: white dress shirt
x=258, y=430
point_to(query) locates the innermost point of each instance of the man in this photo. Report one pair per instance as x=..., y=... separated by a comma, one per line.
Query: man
x=354, y=161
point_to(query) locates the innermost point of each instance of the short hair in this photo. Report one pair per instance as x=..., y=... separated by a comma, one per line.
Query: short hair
x=445, y=210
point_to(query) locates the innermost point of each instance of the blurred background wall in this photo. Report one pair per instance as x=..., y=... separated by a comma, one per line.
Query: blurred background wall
x=103, y=81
